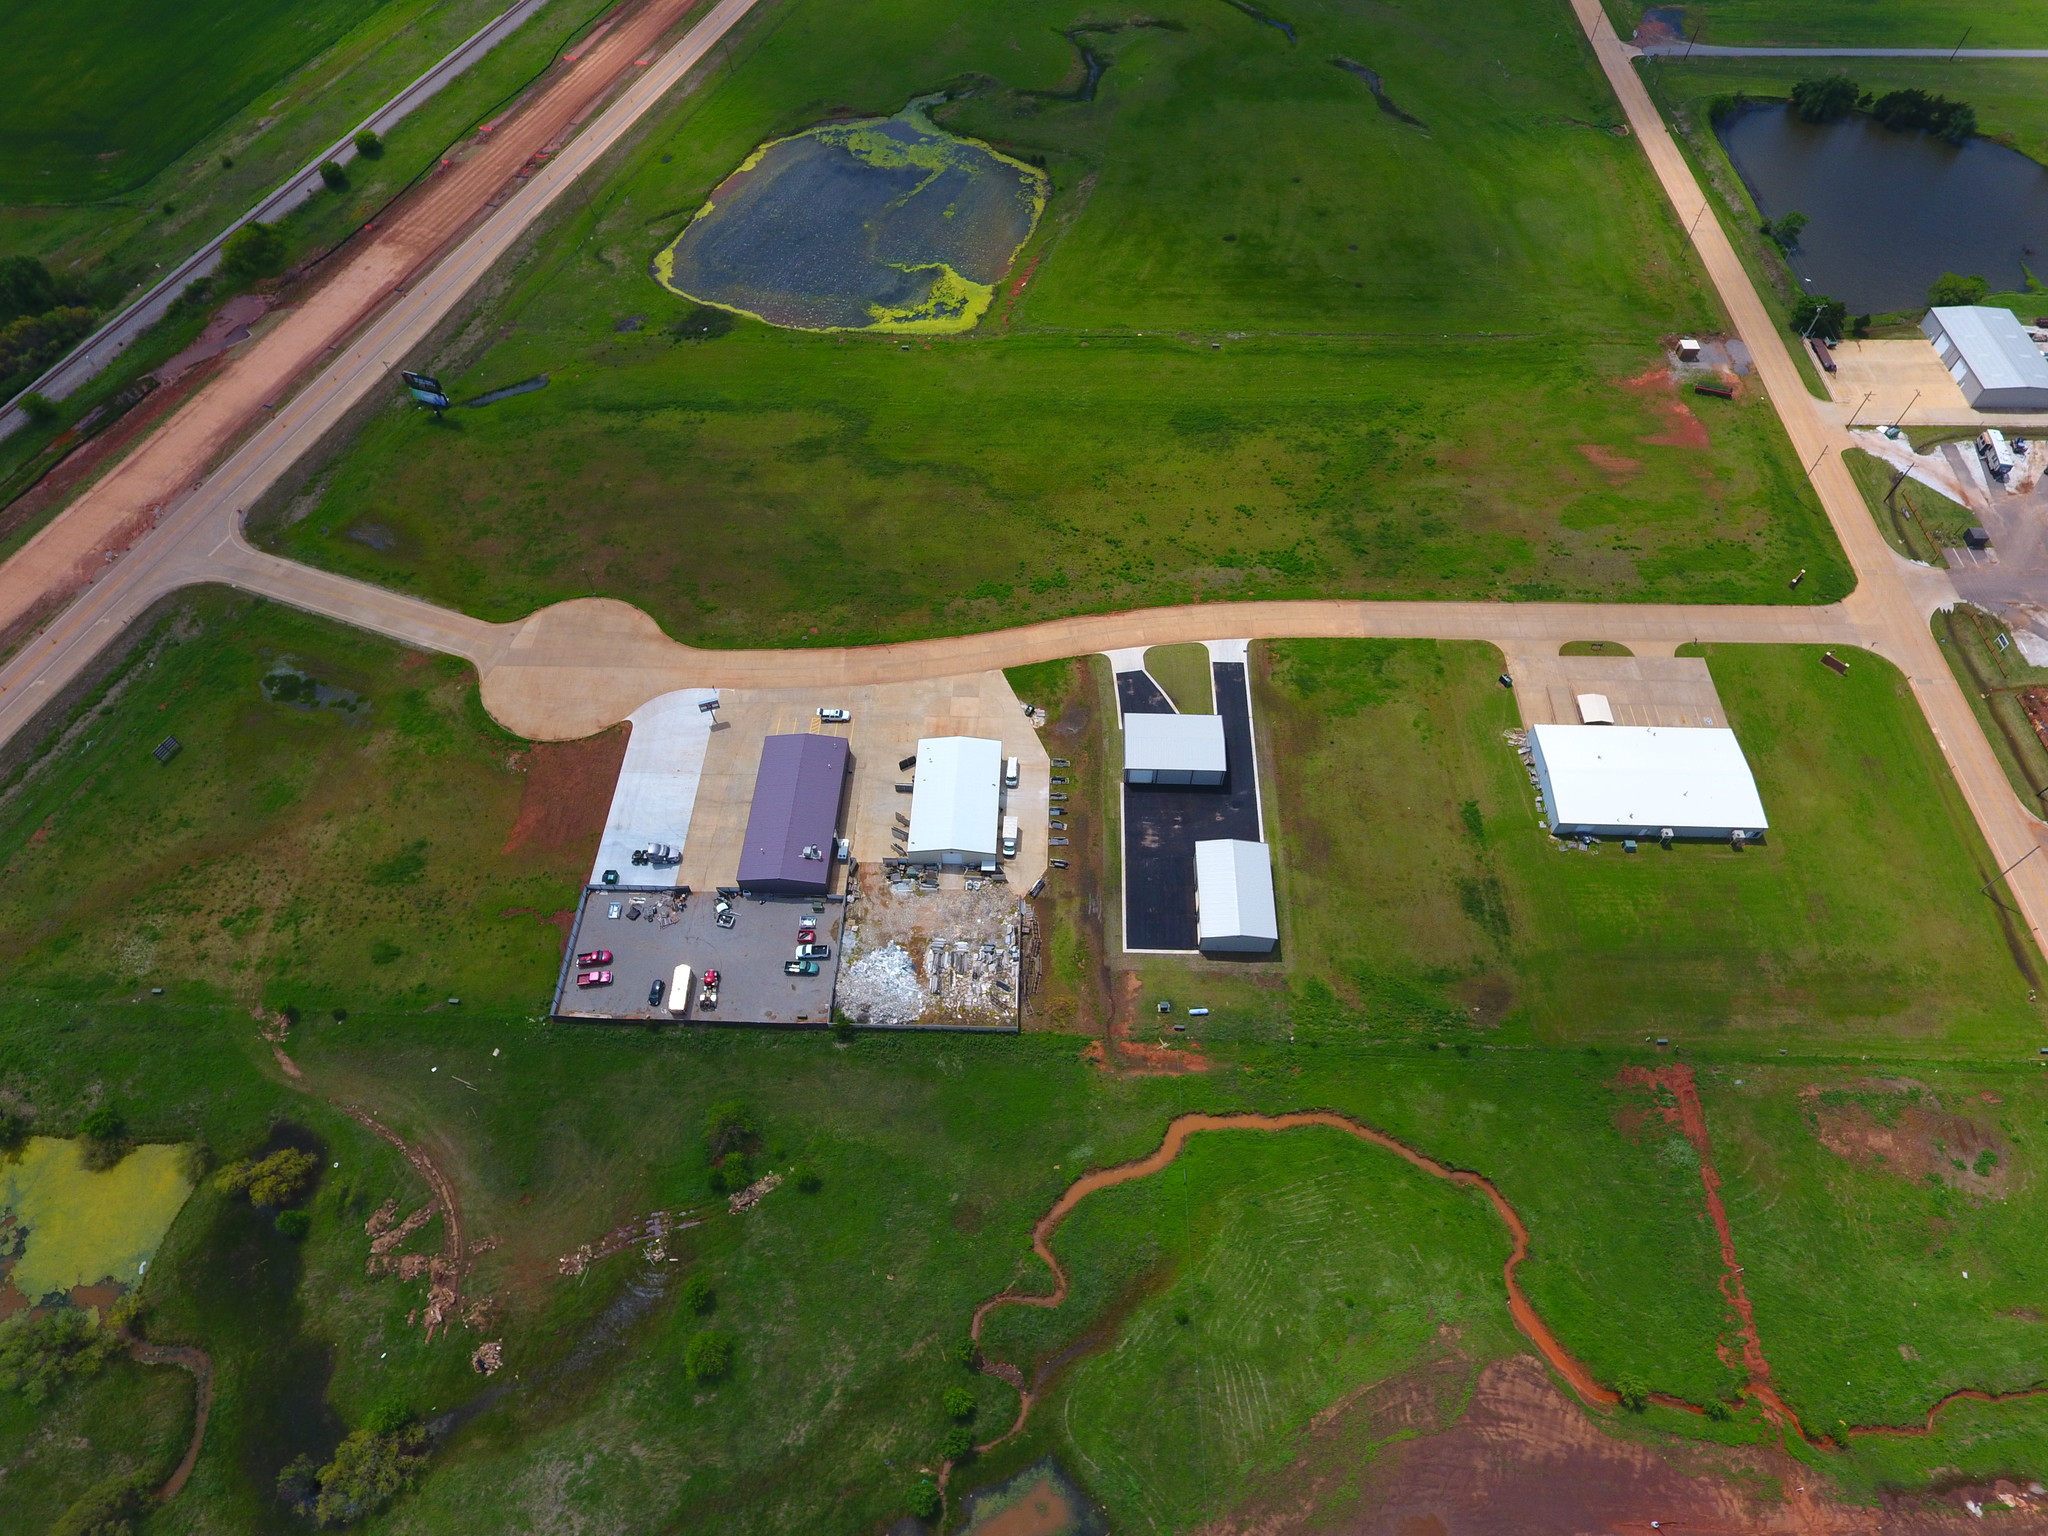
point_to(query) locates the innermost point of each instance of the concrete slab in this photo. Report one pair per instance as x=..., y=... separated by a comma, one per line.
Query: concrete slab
x=656, y=793
x=1641, y=690
x=1891, y=381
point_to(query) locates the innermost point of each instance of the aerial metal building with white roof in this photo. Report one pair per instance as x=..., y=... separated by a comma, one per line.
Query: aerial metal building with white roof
x=1234, y=904
x=1174, y=749
x=1990, y=356
x=1646, y=781
x=957, y=804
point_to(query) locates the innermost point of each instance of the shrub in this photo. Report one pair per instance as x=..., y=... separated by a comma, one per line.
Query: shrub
x=335, y=177
x=704, y=323
x=227, y=162
x=370, y=1468
x=956, y=1444
x=1828, y=99
x=1954, y=288
x=697, y=1295
x=1786, y=231
x=732, y=1174
x=253, y=251
x=924, y=1499
x=964, y=1349
x=806, y=1178
x=842, y=1029
x=958, y=1403
x=1719, y=1411
x=38, y=408
x=728, y=1127
x=293, y=1224
x=13, y=1131
x=280, y=1179
x=1818, y=315
x=40, y=1352
x=108, y=1508
x=105, y=1136
x=1634, y=1393
x=368, y=145
x=1986, y=1161
x=708, y=1356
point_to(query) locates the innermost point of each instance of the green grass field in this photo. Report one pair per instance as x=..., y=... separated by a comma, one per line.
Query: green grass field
x=1270, y=341
x=936, y=1154
x=1858, y=23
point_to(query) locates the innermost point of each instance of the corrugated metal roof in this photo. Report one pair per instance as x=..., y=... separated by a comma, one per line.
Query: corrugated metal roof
x=1174, y=743
x=958, y=797
x=1646, y=776
x=1993, y=343
x=795, y=813
x=1234, y=880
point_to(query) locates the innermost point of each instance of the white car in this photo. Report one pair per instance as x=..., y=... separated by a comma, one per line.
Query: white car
x=835, y=716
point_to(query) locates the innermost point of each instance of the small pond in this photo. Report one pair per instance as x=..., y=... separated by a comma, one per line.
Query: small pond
x=1891, y=211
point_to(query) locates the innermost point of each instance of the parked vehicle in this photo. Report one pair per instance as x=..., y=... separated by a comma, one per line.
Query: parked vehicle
x=1009, y=837
x=835, y=716
x=593, y=978
x=844, y=849
x=654, y=992
x=1996, y=453
x=799, y=967
x=1010, y=773
x=809, y=951
x=678, y=991
x=1057, y=863
x=707, y=995
x=594, y=957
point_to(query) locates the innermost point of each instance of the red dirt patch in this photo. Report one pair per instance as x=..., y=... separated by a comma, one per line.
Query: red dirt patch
x=568, y=792
x=1617, y=467
x=1682, y=429
x=1121, y=1052
x=1913, y=1138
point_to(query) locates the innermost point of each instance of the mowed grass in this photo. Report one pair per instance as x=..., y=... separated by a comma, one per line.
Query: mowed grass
x=94, y=101
x=288, y=854
x=1422, y=896
x=1268, y=341
x=1858, y=23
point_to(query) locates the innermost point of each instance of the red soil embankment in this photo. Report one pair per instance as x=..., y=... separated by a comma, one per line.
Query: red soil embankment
x=200, y=1364
x=1177, y=1134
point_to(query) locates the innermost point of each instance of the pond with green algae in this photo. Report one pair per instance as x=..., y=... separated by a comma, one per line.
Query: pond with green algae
x=64, y=1225
x=873, y=224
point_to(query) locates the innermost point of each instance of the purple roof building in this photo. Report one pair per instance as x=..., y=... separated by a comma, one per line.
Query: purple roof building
x=795, y=815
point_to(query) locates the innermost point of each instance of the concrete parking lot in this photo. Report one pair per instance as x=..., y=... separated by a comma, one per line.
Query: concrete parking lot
x=747, y=956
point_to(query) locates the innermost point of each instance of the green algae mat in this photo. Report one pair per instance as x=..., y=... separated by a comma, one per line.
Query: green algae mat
x=77, y=1227
x=878, y=224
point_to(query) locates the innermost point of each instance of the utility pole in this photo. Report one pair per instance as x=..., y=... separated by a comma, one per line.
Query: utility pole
x=1960, y=41
x=1909, y=406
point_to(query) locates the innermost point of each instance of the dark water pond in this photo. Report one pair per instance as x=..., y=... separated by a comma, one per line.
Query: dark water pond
x=1892, y=211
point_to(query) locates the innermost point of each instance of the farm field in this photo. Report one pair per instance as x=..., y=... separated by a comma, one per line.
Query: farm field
x=1268, y=339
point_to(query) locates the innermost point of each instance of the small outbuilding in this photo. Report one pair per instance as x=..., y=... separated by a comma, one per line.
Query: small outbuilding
x=1646, y=781
x=1594, y=709
x=1990, y=356
x=1234, y=909
x=794, y=817
x=1174, y=749
x=956, y=805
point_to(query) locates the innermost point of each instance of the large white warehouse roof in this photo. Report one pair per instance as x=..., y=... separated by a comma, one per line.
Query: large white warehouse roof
x=1989, y=354
x=958, y=799
x=1176, y=745
x=1636, y=780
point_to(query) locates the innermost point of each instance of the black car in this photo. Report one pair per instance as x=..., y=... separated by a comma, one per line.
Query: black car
x=654, y=994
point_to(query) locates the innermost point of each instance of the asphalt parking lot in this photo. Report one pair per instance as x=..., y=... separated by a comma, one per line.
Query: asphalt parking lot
x=1162, y=824
x=752, y=988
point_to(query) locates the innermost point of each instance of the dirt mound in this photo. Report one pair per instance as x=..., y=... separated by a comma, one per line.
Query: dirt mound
x=1898, y=1126
x=568, y=793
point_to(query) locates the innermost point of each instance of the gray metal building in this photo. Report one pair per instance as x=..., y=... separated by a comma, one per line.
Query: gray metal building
x=1990, y=356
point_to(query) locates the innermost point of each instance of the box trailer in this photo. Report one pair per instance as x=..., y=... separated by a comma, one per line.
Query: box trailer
x=679, y=992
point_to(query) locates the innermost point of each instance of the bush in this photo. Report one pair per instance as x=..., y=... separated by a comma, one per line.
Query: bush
x=708, y=1356
x=957, y=1444
x=40, y=1352
x=729, y=1127
x=105, y=1135
x=842, y=1029
x=1953, y=288
x=293, y=1224
x=253, y=251
x=1908, y=110
x=732, y=1174
x=806, y=1178
x=335, y=177
x=924, y=1499
x=13, y=1131
x=108, y=1508
x=1828, y=99
x=964, y=1349
x=38, y=408
x=1634, y=1393
x=704, y=323
x=368, y=145
x=958, y=1403
x=280, y=1179
x=697, y=1295
x=1786, y=231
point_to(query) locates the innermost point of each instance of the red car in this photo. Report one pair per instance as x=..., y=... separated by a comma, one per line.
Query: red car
x=595, y=957
x=593, y=978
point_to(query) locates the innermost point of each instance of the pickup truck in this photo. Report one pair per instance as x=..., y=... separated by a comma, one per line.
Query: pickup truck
x=799, y=967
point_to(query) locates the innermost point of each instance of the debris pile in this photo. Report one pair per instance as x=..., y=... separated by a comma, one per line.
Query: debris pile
x=650, y=1230
x=881, y=987
x=488, y=1358
x=750, y=1197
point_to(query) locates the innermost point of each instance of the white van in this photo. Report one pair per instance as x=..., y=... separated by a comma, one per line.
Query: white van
x=679, y=992
x=1010, y=773
x=1009, y=837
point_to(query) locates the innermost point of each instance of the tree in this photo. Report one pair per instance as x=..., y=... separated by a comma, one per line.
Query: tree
x=278, y=1180
x=13, y=1131
x=335, y=177
x=27, y=287
x=957, y=1444
x=108, y=1508
x=105, y=1136
x=708, y=1356
x=958, y=1403
x=1818, y=315
x=698, y=1296
x=1828, y=99
x=924, y=1499
x=1787, y=230
x=728, y=1127
x=370, y=1468
x=253, y=251
x=368, y=145
x=1953, y=288
x=39, y=1352
x=1633, y=1391
x=38, y=408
